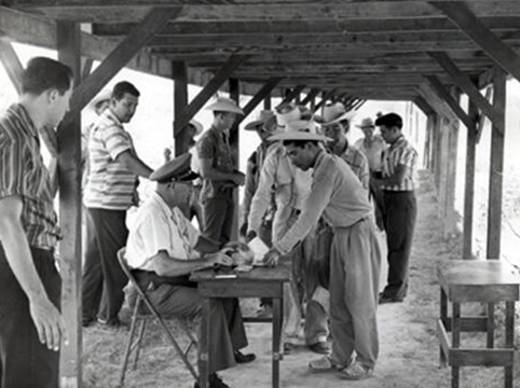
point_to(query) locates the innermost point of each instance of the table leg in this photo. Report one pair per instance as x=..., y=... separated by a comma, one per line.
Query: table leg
x=204, y=344
x=455, y=341
x=510, y=333
x=277, y=332
x=444, y=320
x=490, y=343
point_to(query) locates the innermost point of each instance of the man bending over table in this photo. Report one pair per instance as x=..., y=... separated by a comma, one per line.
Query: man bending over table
x=164, y=248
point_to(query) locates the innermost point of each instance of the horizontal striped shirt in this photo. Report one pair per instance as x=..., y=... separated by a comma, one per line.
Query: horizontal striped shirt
x=110, y=185
x=400, y=152
x=23, y=173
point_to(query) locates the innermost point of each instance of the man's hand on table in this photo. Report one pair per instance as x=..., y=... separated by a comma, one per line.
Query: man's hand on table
x=272, y=257
x=219, y=258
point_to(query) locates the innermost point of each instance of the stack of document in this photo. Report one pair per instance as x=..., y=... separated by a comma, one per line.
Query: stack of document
x=259, y=249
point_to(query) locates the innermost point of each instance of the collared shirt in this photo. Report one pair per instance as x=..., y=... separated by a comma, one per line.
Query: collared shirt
x=110, y=184
x=358, y=163
x=23, y=173
x=400, y=152
x=158, y=227
x=214, y=145
x=336, y=193
x=373, y=151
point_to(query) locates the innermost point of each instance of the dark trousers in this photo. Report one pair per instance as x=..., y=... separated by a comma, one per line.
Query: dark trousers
x=218, y=217
x=399, y=218
x=103, y=279
x=24, y=361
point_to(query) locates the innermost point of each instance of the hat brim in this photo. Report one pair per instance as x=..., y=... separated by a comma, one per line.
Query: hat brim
x=253, y=125
x=105, y=95
x=299, y=135
x=198, y=127
x=345, y=116
x=219, y=107
x=365, y=126
x=177, y=169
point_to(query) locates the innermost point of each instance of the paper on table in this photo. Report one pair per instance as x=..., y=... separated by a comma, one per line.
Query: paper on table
x=259, y=249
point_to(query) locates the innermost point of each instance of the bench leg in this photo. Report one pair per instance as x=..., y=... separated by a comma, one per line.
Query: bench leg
x=204, y=344
x=490, y=342
x=444, y=318
x=277, y=334
x=455, y=341
x=510, y=333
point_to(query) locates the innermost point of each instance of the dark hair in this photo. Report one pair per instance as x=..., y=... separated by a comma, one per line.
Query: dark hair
x=123, y=87
x=390, y=120
x=299, y=143
x=43, y=73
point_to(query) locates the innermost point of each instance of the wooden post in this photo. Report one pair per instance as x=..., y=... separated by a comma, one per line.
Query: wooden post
x=234, y=140
x=69, y=145
x=180, y=100
x=267, y=101
x=495, y=171
x=450, y=220
x=12, y=64
x=469, y=184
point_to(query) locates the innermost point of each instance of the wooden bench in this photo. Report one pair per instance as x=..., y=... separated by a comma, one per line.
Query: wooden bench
x=490, y=282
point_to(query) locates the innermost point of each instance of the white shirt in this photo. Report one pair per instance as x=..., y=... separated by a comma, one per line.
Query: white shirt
x=157, y=227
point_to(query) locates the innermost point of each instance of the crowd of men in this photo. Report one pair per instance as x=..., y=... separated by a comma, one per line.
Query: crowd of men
x=310, y=195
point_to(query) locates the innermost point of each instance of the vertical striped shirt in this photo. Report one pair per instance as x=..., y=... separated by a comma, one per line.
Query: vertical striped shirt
x=23, y=173
x=358, y=162
x=400, y=153
x=110, y=184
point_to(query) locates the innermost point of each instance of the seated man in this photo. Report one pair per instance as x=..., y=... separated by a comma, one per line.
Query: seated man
x=164, y=248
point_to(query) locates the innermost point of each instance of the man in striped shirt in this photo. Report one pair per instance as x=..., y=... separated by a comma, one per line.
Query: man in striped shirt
x=397, y=184
x=30, y=323
x=110, y=191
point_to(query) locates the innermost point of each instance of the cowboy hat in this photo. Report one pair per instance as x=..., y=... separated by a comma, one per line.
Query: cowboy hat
x=198, y=126
x=300, y=130
x=333, y=114
x=366, y=122
x=223, y=104
x=176, y=170
x=103, y=96
x=262, y=118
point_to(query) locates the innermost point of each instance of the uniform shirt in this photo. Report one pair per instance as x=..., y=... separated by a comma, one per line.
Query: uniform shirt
x=373, y=151
x=110, y=184
x=400, y=153
x=336, y=193
x=23, y=173
x=158, y=227
x=358, y=163
x=214, y=145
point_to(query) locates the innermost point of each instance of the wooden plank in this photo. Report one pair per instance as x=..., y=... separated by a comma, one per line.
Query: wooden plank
x=469, y=324
x=180, y=100
x=69, y=174
x=293, y=93
x=481, y=357
x=469, y=184
x=324, y=99
x=12, y=64
x=464, y=82
x=117, y=59
x=233, y=62
x=312, y=93
x=468, y=22
x=267, y=101
x=423, y=105
x=262, y=94
x=496, y=169
x=87, y=68
x=438, y=88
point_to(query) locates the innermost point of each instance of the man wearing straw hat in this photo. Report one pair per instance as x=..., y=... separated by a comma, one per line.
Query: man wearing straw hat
x=337, y=194
x=217, y=167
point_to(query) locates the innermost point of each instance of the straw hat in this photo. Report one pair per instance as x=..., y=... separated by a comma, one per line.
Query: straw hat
x=198, y=127
x=262, y=118
x=334, y=113
x=103, y=96
x=177, y=169
x=300, y=130
x=366, y=122
x=223, y=104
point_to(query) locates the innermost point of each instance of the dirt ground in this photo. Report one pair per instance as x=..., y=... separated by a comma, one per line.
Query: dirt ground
x=408, y=344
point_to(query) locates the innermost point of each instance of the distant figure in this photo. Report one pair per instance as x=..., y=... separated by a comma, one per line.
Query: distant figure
x=397, y=184
x=31, y=327
x=167, y=154
x=110, y=191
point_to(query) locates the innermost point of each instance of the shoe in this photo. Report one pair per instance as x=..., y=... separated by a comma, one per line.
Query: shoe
x=320, y=347
x=388, y=299
x=288, y=348
x=86, y=322
x=214, y=382
x=324, y=364
x=242, y=358
x=265, y=311
x=113, y=323
x=356, y=371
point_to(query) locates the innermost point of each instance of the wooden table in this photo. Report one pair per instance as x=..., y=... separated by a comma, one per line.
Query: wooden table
x=260, y=282
x=490, y=281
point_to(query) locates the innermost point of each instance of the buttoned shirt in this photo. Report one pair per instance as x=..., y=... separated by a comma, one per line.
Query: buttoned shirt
x=158, y=227
x=336, y=193
x=373, y=150
x=110, y=184
x=400, y=152
x=23, y=173
x=214, y=146
x=358, y=162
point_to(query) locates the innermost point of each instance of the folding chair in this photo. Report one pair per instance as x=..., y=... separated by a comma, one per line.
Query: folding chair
x=141, y=319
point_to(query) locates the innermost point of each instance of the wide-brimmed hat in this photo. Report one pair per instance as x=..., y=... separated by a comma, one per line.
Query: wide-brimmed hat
x=176, y=170
x=101, y=97
x=262, y=118
x=198, y=126
x=333, y=114
x=286, y=113
x=223, y=104
x=366, y=122
x=300, y=130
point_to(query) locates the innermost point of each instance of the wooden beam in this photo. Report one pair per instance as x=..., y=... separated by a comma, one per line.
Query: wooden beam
x=180, y=100
x=262, y=94
x=234, y=140
x=87, y=68
x=496, y=169
x=291, y=95
x=359, y=104
x=500, y=52
x=233, y=62
x=325, y=98
x=267, y=101
x=439, y=89
x=12, y=64
x=312, y=93
x=423, y=105
x=153, y=22
x=69, y=174
x=464, y=82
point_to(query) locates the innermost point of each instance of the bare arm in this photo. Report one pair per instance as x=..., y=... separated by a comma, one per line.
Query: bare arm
x=134, y=164
x=45, y=315
x=164, y=265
